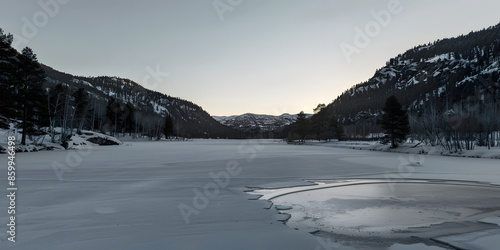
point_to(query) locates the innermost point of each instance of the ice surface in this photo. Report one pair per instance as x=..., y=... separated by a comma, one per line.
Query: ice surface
x=128, y=197
x=391, y=209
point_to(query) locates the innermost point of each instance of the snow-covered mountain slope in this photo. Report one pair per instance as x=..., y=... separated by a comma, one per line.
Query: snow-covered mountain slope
x=439, y=74
x=190, y=119
x=254, y=123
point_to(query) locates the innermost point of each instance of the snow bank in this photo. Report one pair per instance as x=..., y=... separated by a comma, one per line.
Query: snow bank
x=77, y=141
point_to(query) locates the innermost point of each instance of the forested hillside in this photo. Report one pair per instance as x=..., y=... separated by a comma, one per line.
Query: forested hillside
x=37, y=99
x=450, y=88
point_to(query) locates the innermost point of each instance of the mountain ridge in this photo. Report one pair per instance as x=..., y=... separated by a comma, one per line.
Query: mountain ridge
x=256, y=123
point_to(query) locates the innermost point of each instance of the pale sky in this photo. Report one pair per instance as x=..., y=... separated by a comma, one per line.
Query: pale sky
x=260, y=56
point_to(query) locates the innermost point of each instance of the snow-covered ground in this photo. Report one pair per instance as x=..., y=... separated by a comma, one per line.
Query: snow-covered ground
x=84, y=140
x=191, y=194
x=411, y=148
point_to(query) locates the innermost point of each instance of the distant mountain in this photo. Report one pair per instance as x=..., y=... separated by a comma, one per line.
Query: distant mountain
x=447, y=75
x=190, y=119
x=254, y=123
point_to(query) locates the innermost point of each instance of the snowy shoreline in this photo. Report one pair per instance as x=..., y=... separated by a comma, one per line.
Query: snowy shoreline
x=410, y=148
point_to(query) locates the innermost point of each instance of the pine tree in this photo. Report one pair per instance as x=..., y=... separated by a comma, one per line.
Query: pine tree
x=319, y=124
x=130, y=119
x=394, y=122
x=168, y=128
x=335, y=129
x=31, y=103
x=302, y=126
x=8, y=61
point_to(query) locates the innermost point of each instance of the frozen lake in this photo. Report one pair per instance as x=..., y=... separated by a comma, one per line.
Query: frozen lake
x=190, y=195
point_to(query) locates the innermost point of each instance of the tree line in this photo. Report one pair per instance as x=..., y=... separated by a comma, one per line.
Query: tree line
x=475, y=121
x=321, y=126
